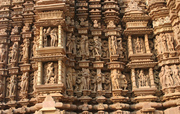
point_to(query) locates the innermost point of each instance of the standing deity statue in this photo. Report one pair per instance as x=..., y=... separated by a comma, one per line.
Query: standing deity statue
x=35, y=46
x=99, y=82
x=54, y=36
x=159, y=44
x=176, y=76
x=124, y=82
x=69, y=81
x=97, y=46
x=24, y=82
x=168, y=77
x=12, y=86
x=162, y=77
x=84, y=44
x=14, y=51
x=113, y=45
x=164, y=44
x=138, y=45
x=170, y=41
x=85, y=79
x=25, y=50
x=69, y=44
x=50, y=72
x=143, y=79
x=2, y=53
x=45, y=36
x=115, y=80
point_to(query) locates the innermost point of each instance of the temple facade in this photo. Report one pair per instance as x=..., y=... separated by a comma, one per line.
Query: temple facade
x=89, y=56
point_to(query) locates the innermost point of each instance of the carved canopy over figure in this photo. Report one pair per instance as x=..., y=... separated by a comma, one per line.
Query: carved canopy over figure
x=24, y=82
x=2, y=53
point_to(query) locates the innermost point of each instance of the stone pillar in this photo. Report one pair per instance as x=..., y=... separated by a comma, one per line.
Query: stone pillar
x=147, y=43
x=40, y=73
x=151, y=77
x=130, y=45
x=60, y=44
x=133, y=77
x=60, y=72
x=41, y=38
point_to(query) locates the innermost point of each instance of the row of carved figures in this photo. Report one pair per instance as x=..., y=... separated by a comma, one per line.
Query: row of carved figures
x=169, y=76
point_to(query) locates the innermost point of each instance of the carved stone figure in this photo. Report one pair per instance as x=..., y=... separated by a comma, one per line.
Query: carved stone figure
x=69, y=81
x=69, y=44
x=113, y=45
x=168, y=78
x=162, y=77
x=35, y=46
x=12, y=86
x=85, y=79
x=24, y=82
x=14, y=52
x=84, y=45
x=99, y=82
x=96, y=24
x=111, y=24
x=175, y=75
x=2, y=53
x=143, y=79
x=97, y=46
x=26, y=27
x=124, y=82
x=170, y=41
x=54, y=36
x=164, y=44
x=44, y=35
x=25, y=50
x=83, y=22
x=15, y=30
x=138, y=46
x=50, y=72
x=115, y=80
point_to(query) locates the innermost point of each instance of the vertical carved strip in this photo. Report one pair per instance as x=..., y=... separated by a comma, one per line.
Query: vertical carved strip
x=147, y=44
x=39, y=79
x=41, y=38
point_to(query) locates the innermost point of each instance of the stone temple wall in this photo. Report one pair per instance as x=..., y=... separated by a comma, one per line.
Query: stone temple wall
x=89, y=56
